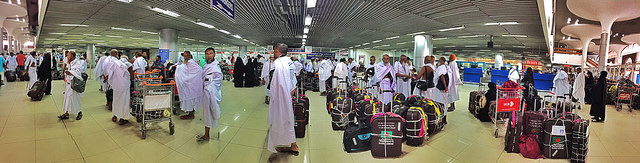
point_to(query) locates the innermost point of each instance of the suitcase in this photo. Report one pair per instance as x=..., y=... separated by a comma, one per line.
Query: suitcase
x=436, y=114
x=374, y=108
x=37, y=91
x=331, y=95
x=342, y=113
x=305, y=100
x=23, y=75
x=10, y=75
x=357, y=138
x=300, y=118
x=557, y=138
x=580, y=140
x=512, y=137
x=386, y=135
x=399, y=97
x=474, y=97
x=412, y=101
x=416, y=126
x=532, y=122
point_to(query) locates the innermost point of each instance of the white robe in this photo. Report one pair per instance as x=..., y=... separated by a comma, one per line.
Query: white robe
x=578, y=88
x=212, y=94
x=350, y=67
x=403, y=87
x=12, y=63
x=298, y=67
x=72, y=102
x=281, y=120
x=514, y=75
x=341, y=73
x=440, y=95
x=190, y=84
x=33, y=75
x=118, y=77
x=139, y=65
x=454, y=81
x=386, y=84
x=324, y=72
x=372, y=80
x=98, y=73
x=561, y=83
x=266, y=68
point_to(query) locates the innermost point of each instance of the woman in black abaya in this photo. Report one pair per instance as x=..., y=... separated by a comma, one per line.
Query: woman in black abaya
x=588, y=84
x=598, y=96
x=250, y=73
x=238, y=73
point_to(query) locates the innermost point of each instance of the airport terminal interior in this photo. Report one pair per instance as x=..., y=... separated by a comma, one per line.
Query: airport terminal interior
x=302, y=81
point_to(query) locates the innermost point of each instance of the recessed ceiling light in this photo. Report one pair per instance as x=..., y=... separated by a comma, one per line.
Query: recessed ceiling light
x=149, y=32
x=166, y=12
x=58, y=33
x=205, y=25
x=514, y=35
x=73, y=25
x=304, y=40
x=237, y=36
x=124, y=29
x=308, y=20
x=365, y=44
x=223, y=31
x=449, y=29
x=311, y=3
x=394, y=37
x=305, y=30
x=304, y=36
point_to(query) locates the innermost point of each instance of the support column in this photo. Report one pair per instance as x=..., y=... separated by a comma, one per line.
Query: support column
x=242, y=52
x=169, y=40
x=91, y=50
x=604, y=50
x=423, y=47
x=10, y=41
x=1, y=40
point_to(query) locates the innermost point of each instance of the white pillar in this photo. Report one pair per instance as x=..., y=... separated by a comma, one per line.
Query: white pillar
x=423, y=47
x=10, y=41
x=242, y=51
x=91, y=50
x=1, y=36
x=169, y=40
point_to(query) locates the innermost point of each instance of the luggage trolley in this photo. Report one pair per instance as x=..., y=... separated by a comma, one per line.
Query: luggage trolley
x=157, y=99
x=137, y=100
x=625, y=96
x=507, y=100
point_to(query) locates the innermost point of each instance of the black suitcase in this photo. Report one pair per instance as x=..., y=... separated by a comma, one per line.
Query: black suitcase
x=386, y=135
x=11, y=76
x=512, y=137
x=557, y=138
x=342, y=113
x=357, y=138
x=415, y=126
x=580, y=141
x=474, y=97
x=299, y=116
x=436, y=114
x=37, y=91
x=23, y=75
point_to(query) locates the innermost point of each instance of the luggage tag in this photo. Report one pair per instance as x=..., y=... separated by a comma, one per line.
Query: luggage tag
x=558, y=130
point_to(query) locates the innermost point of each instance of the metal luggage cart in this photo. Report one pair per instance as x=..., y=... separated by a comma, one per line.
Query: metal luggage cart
x=625, y=96
x=508, y=100
x=157, y=105
x=227, y=72
x=137, y=100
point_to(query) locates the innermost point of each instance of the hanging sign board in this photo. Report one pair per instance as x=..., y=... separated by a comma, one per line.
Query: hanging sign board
x=164, y=54
x=226, y=7
x=321, y=55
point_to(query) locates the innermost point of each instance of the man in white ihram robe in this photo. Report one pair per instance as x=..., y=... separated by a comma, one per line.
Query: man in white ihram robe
x=454, y=81
x=189, y=82
x=72, y=102
x=578, y=86
x=139, y=64
x=117, y=74
x=514, y=75
x=403, y=72
x=372, y=80
x=324, y=72
x=264, y=75
x=440, y=96
x=386, y=78
x=30, y=65
x=98, y=73
x=280, y=119
x=341, y=73
x=212, y=93
x=561, y=83
x=352, y=65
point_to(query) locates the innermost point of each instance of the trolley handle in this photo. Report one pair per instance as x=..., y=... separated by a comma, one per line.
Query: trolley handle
x=510, y=89
x=158, y=78
x=147, y=72
x=161, y=84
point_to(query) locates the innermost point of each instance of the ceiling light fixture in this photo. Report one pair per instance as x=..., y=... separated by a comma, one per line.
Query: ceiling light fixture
x=365, y=44
x=237, y=36
x=305, y=30
x=307, y=20
x=58, y=33
x=402, y=43
x=514, y=35
x=568, y=20
x=224, y=31
x=384, y=45
x=113, y=36
x=205, y=25
x=417, y=33
x=449, y=29
x=376, y=41
x=91, y=35
x=135, y=38
x=449, y=46
x=502, y=23
x=469, y=36
x=491, y=23
x=73, y=25
x=149, y=32
x=304, y=36
x=123, y=29
x=166, y=12
x=203, y=41
x=470, y=46
x=394, y=37
x=126, y=1
x=311, y=3
x=444, y=38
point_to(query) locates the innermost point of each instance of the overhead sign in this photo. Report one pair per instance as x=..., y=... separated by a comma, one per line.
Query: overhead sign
x=226, y=7
x=164, y=54
x=321, y=55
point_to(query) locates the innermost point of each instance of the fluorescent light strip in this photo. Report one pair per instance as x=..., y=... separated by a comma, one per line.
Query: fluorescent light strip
x=203, y=41
x=166, y=12
x=469, y=36
x=223, y=31
x=470, y=46
x=57, y=33
x=113, y=36
x=514, y=35
x=449, y=46
x=376, y=41
x=450, y=29
x=444, y=38
x=124, y=29
x=304, y=36
x=126, y=1
x=149, y=32
x=384, y=45
x=357, y=46
x=305, y=30
x=205, y=25
x=73, y=25
x=91, y=35
x=135, y=38
x=508, y=23
x=311, y=3
x=417, y=33
x=365, y=44
x=308, y=20
x=237, y=36
x=394, y=37
x=190, y=39
x=491, y=23
x=402, y=43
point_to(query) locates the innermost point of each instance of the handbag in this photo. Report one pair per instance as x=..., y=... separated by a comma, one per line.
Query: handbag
x=442, y=85
x=422, y=85
x=79, y=84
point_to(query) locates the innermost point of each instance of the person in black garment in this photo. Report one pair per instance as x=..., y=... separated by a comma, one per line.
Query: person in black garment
x=598, y=96
x=238, y=73
x=44, y=72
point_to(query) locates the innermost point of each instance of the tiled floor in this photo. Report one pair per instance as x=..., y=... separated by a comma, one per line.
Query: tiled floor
x=30, y=132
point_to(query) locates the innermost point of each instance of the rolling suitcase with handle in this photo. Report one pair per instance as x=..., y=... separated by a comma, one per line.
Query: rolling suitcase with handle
x=580, y=140
x=357, y=138
x=300, y=116
x=386, y=135
x=11, y=76
x=416, y=126
x=37, y=91
x=557, y=138
x=436, y=115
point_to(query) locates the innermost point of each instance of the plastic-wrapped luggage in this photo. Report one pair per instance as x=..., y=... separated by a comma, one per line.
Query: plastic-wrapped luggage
x=474, y=97
x=512, y=137
x=342, y=113
x=300, y=118
x=386, y=135
x=416, y=126
x=557, y=138
x=436, y=114
x=580, y=140
x=11, y=76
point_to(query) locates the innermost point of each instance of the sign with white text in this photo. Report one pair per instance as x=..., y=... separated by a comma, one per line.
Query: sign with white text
x=226, y=7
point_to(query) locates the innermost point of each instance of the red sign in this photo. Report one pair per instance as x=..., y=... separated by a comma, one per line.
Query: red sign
x=511, y=104
x=531, y=62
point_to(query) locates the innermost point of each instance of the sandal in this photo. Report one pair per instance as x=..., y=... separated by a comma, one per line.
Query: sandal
x=79, y=117
x=186, y=117
x=202, y=139
x=288, y=150
x=123, y=122
x=114, y=119
x=63, y=117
